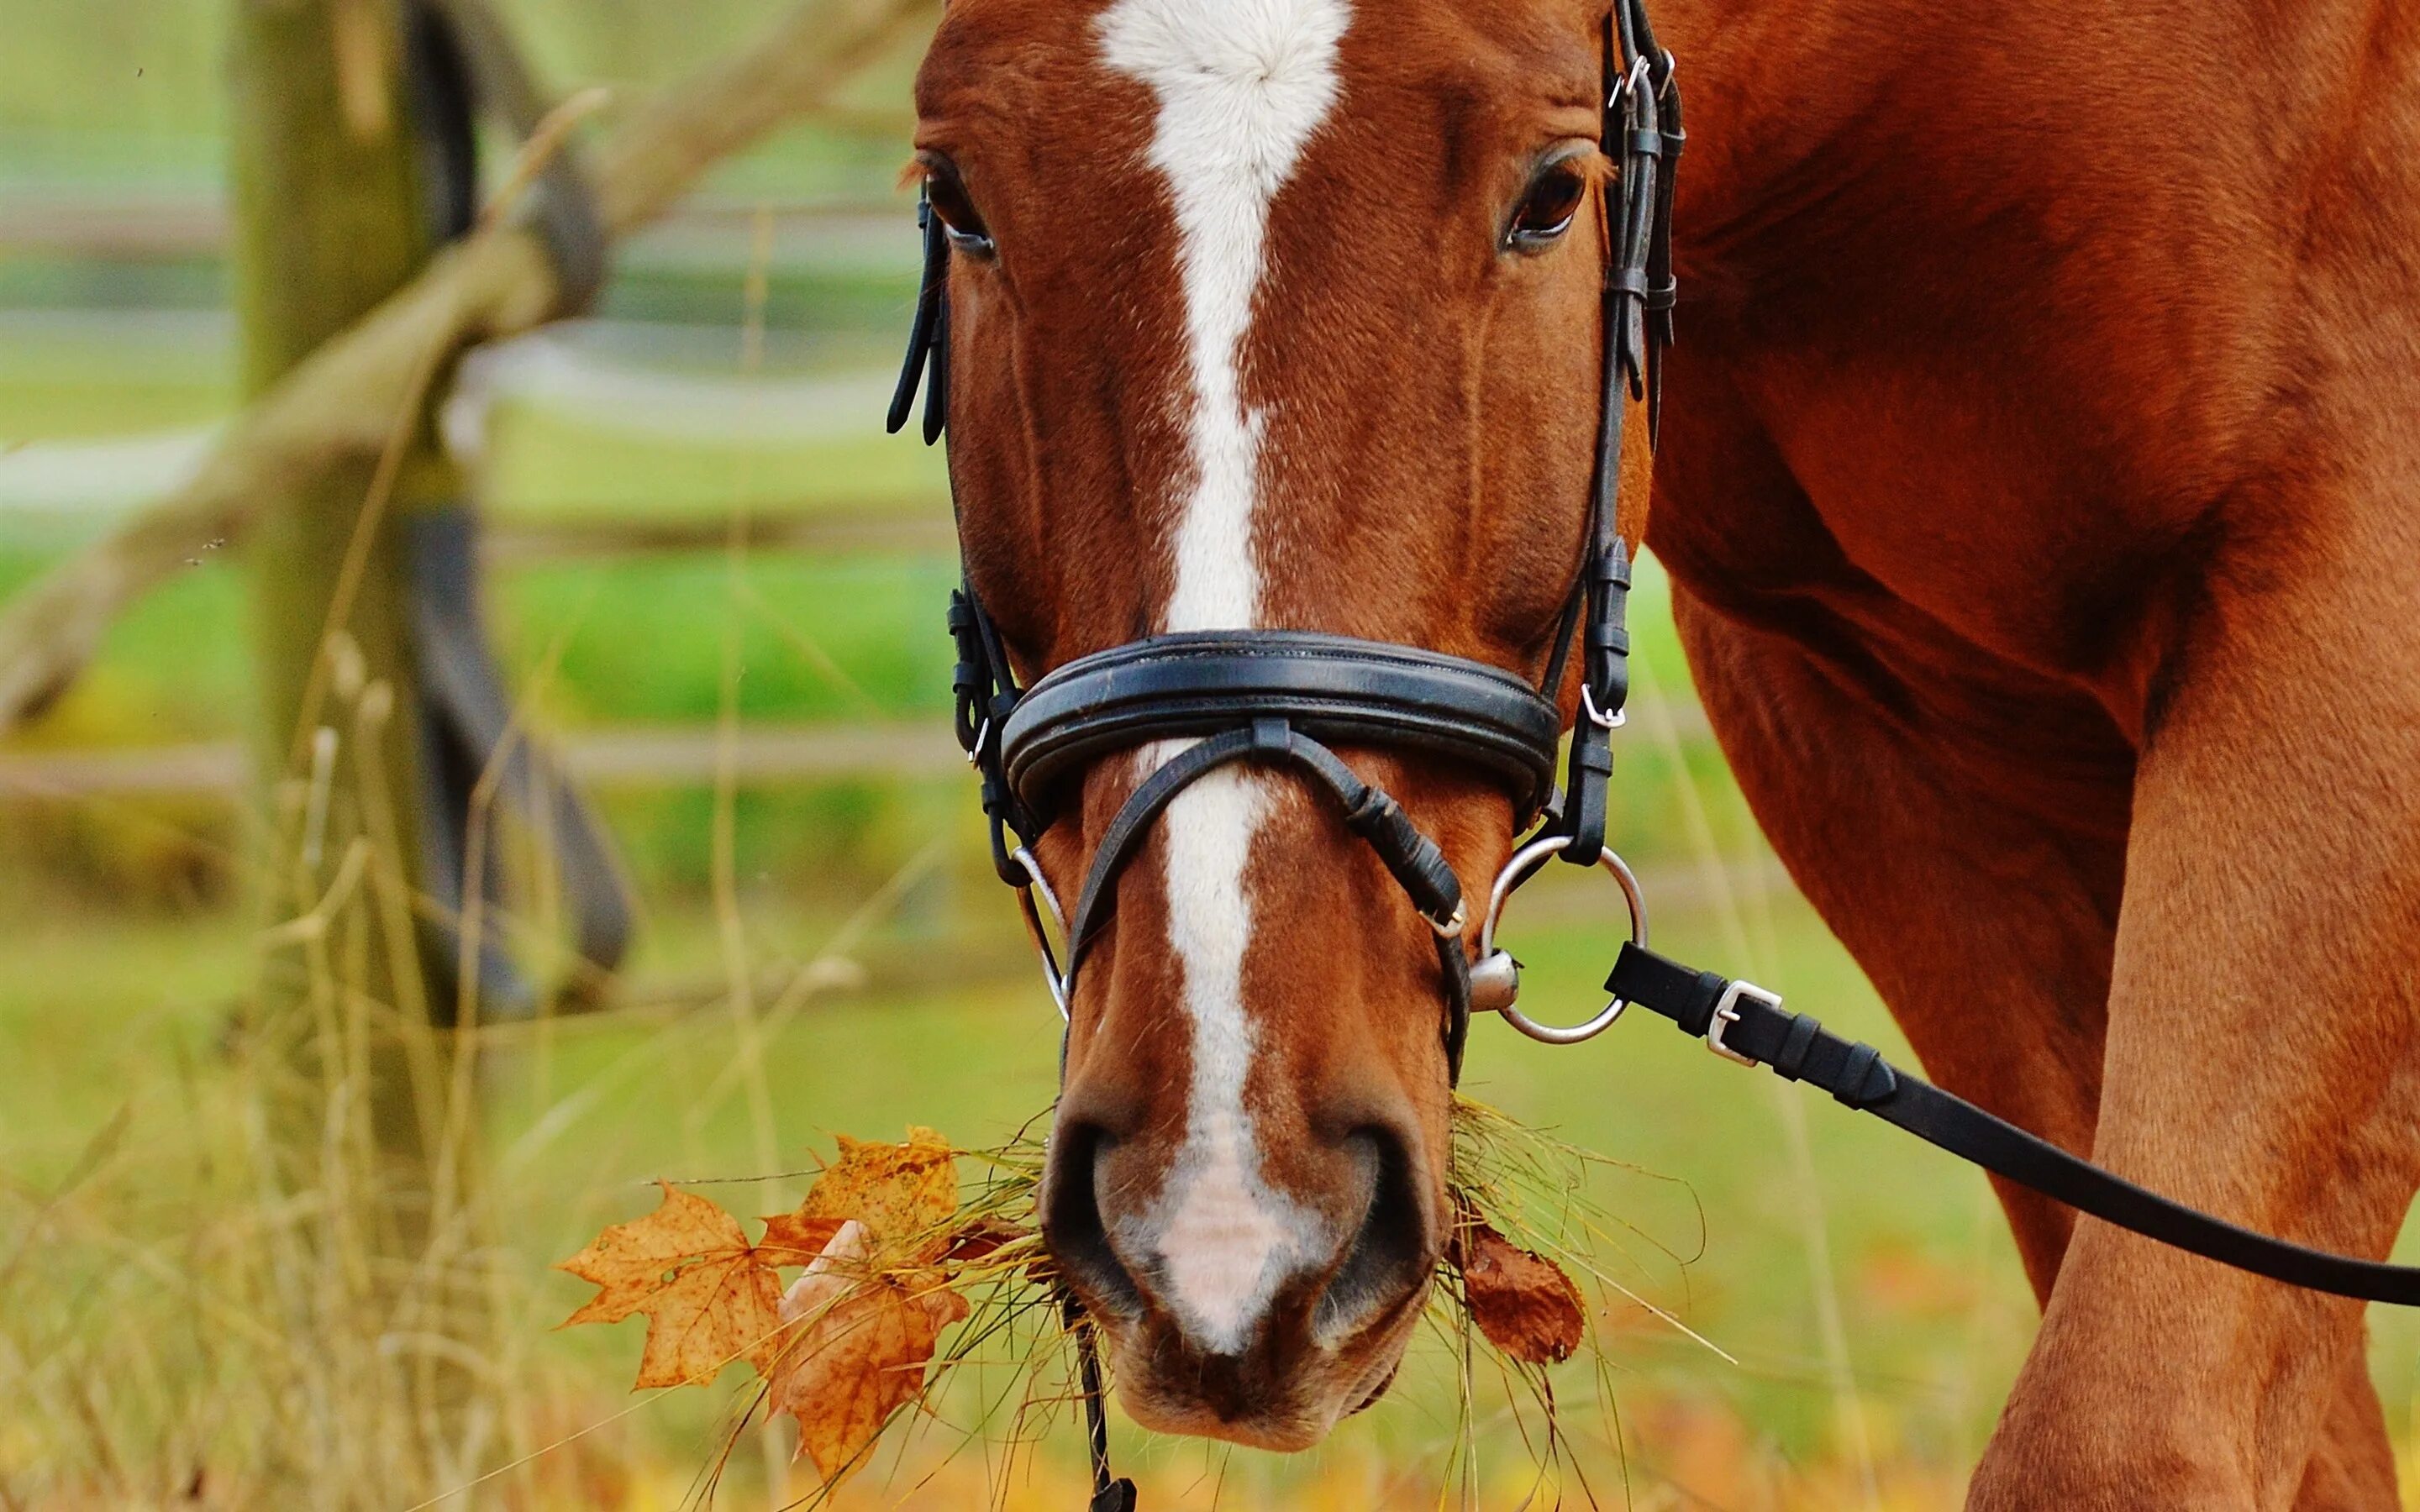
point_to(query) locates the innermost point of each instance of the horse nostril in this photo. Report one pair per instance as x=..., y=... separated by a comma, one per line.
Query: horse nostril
x=1071, y=1221
x=1391, y=1255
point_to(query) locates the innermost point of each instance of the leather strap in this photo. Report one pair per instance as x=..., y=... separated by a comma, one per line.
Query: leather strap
x=1111, y=1492
x=928, y=337
x=1333, y=688
x=985, y=693
x=1757, y=1029
x=1411, y=858
x=1641, y=129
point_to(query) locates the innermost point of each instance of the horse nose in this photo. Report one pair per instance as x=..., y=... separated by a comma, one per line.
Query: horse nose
x=1390, y=1254
x=1073, y=1229
x=1232, y=1269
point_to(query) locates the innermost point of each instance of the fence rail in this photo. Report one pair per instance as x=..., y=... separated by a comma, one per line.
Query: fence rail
x=758, y=754
x=117, y=227
x=669, y=756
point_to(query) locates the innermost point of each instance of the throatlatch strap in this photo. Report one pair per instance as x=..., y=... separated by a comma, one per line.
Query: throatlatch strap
x=1798, y=1047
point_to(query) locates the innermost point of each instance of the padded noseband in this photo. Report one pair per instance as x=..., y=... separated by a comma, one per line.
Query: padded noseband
x=1331, y=688
x=1280, y=698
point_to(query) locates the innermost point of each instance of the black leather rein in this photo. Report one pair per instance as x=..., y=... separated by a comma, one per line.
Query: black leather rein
x=1750, y=1024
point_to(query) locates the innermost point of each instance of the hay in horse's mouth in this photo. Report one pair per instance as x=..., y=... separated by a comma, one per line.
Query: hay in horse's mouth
x=1521, y=1187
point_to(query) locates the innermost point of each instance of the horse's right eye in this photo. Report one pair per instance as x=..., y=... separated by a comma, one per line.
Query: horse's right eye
x=1546, y=208
x=959, y=222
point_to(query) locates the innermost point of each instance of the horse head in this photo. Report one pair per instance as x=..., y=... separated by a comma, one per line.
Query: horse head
x=1267, y=315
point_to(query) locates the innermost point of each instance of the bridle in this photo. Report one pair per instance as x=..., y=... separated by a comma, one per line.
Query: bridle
x=1285, y=698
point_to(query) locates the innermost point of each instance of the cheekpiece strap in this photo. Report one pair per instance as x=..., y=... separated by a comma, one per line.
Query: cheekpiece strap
x=1642, y=132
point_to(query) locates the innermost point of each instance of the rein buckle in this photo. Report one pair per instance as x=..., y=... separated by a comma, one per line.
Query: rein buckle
x=1726, y=1013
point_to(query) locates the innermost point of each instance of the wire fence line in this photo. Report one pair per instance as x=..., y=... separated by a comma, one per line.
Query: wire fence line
x=86, y=226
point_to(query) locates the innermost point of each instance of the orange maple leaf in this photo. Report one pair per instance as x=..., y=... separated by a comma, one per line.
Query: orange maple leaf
x=905, y=1195
x=858, y=1347
x=1522, y=1302
x=710, y=1296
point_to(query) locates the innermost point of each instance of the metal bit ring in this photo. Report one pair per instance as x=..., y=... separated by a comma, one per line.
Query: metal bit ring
x=1517, y=871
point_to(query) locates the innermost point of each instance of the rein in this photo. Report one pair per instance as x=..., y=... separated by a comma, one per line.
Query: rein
x=1280, y=698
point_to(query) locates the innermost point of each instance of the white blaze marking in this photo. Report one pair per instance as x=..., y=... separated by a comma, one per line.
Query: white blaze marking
x=1225, y=1239
x=1242, y=84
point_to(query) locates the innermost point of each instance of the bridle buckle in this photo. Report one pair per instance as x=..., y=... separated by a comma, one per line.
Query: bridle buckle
x=1726, y=1013
x=1598, y=717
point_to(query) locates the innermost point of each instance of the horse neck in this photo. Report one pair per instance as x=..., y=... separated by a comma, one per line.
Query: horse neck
x=1806, y=111
x=1920, y=247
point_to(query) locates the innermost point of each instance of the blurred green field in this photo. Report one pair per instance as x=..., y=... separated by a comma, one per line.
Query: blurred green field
x=1862, y=1287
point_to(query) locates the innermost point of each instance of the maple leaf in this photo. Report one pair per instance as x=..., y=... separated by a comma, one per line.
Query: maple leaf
x=905, y=1195
x=1522, y=1302
x=857, y=1348
x=710, y=1296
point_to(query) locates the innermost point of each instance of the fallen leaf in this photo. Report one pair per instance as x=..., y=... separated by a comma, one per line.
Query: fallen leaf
x=1522, y=1302
x=710, y=1297
x=795, y=1238
x=856, y=1349
x=904, y=1195
x=981, y=1240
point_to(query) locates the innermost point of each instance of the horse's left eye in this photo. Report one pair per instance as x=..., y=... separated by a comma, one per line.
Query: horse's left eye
x=1546, y=208
x=960, y=221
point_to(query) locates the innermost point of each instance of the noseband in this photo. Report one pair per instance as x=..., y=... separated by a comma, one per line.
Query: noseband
x=1286, y=698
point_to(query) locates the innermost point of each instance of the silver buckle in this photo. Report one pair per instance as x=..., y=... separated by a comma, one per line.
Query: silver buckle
x=1637, y=76
x=1598, y=717
x=1726, y=1013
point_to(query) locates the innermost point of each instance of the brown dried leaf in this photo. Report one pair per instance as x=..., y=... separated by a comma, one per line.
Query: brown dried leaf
x=794, y=1239
x=1522, y=1302
x=856, y=1349
x=904, y=1195
x=709, y=1296
x=979, y=1240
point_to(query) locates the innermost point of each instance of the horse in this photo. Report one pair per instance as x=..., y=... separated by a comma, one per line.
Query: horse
x=2031, y=482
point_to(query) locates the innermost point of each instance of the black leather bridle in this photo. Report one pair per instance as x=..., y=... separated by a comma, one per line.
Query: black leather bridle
x=1284, y=698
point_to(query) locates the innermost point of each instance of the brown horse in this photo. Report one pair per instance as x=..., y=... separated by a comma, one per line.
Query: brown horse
x=2035, y=483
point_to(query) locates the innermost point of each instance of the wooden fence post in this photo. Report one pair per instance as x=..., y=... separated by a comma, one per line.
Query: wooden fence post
x=371, y=1112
